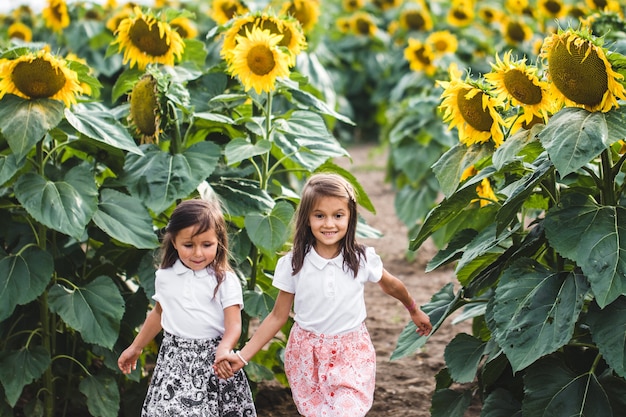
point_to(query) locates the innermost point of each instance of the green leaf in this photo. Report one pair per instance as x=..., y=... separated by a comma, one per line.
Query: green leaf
x=94, y=310
x=23, y=277
x=440, y=306
x=462, y=355
x=361, y=196
x=450, y=403
x=553, y=389
x=65, y=206
x=594, y=237
x=269, y=232
x=125, y=219
x=257, y=303
x=449, y=168
x=501, y=403
x=103, y=395
x=573, y=137
x=24, y=123
x=412, y=204
x=20, y=368
x=487, y=241
x=240, y=149
x=534, y=311
x=8, y=167
x=522, y=144
x=310, y=100
x=101, y=126
x=608, y=330
x=159, y=178
x=242, y=196
x=616, y=124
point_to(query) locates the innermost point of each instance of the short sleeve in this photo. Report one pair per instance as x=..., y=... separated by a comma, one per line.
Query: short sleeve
x=230, y=292
x=373, y=265
x=283, y=279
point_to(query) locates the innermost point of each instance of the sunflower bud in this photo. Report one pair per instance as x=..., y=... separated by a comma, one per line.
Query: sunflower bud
x=144, y=108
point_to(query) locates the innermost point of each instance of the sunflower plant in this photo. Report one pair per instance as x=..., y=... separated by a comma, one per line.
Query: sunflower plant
x=533, y=224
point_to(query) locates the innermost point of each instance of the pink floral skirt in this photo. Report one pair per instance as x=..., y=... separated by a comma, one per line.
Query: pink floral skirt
x=331, y=376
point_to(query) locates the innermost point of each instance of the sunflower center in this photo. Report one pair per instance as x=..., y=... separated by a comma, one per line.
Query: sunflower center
x=521, y=88
x=472, y=111
x=415, y=21
x=600, y=4
x=421, y=55
x=261, y=60
x=147, y=38
x=581, y=79
x=460, y=15
x=441, y=45
x=37, y=78
x=515, y=31
x=57, y=12
x=229, y=9
x=553, y=7
x=362, y=26
x=144, y=106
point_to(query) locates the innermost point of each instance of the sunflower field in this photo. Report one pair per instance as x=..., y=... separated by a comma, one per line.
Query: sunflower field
x=505, y=133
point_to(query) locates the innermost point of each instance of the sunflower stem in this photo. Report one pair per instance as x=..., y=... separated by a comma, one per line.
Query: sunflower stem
x=268, y=125
x=607, y=190
x=176, y=138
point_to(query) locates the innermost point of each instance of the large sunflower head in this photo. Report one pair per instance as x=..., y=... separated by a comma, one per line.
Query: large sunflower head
x=224, y=10
x=55, y=15
x=519, y=85
x=145, y=109
x=415, y=19
x=470, y=108
x=19, y=30
x=258, y=61
x=146, y=39
x=580, y=73
x=307, y=12
x=39, y=75
x=420, y=56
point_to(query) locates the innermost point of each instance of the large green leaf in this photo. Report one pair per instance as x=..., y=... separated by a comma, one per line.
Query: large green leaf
x=573, y=137
x=594, y=237
x=553, y=389
x=270, y=231
x=257, y=303
x=23, y=277
x=103, y=395
x=608, y=330
x=457, y=159
x=125, y=219
x=240, y=149
x=521, y=146
x=159, y=178
x=450, y=403
x=242, y=196
x=94, y=310
x=534, y=311
x=501, y=403
x=8, y=167
x=487, y=241
x=20, y=368
x=100, y=125
x=25, y=122
x=440, y=306
x=66, y=205
x=462, y=355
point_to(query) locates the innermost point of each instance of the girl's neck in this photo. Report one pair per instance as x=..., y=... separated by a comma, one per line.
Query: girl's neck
x=326, y=253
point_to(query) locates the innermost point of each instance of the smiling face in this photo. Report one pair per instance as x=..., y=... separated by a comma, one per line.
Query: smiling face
x=328, y=220
x=196, y=251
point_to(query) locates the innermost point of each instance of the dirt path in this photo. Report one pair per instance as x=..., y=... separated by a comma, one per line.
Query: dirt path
x=403, y=387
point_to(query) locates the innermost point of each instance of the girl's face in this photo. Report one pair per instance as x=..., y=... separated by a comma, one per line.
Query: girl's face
x=196, y=252
x=329, y=220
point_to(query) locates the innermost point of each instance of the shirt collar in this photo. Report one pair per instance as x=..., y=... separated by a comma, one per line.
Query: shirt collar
x=181, y=269
x=320, y=262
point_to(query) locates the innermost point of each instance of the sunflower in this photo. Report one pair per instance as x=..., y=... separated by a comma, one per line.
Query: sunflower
x=55, y=15
x=484, y=190
x=186, y=28
x=362, y=23
x=146, y=40
x=515, y=6
x=515, y=31
x=443, y=42
x=489, y=14
x=385, y=5
x=604, y=5
x=145, y=110
x=420, y=56
x=115, y=20
x=414, y=19
x=352, y=5
x=469, y=107
x=343, y=24
x=224, y=10
x=552, y=9
x=257, y=60
x=519, y=85
x=307, y=12
x=39, y=75
x=19, y=30
x=580, y=72
x=461, y=13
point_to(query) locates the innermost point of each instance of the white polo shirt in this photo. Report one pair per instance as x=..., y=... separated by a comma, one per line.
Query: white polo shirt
x=328, y=299
x=189, y=308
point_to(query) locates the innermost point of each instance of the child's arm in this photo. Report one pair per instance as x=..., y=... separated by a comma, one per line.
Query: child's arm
x=266, y=331
x=396, y=288
x=232, y=330
x=127, y=361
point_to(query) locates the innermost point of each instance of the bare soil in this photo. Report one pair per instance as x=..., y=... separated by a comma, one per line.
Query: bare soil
x=403, y=387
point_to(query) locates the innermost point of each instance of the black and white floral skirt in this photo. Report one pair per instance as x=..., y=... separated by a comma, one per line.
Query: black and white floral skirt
x=185, y=385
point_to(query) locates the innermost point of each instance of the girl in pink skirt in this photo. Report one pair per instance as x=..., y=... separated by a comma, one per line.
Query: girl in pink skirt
x=330, y=361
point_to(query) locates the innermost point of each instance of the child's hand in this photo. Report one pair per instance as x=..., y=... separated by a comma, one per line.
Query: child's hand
x=422, y=321
x=226, y=365
x=127, y=362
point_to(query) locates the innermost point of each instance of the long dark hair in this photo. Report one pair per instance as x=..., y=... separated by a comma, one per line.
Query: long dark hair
x=203, y=215
x=318, y=186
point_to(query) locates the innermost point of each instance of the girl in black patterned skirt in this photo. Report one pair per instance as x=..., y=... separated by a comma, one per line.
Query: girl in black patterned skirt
x=198, y=306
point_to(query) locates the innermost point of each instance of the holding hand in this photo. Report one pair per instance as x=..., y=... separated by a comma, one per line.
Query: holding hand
x=227, y=364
